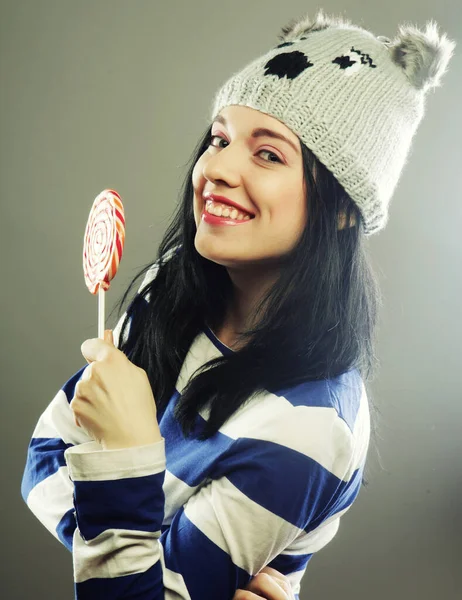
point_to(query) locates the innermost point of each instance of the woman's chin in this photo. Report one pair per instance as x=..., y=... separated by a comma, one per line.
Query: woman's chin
x=216, y=250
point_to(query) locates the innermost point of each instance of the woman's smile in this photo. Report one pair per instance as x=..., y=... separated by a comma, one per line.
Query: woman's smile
x=227, y=216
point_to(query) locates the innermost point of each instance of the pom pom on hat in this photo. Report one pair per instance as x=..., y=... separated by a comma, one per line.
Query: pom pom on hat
x=300, y=26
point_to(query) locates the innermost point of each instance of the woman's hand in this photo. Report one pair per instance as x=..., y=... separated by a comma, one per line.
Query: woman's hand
x=269, y=584
x=113, y=401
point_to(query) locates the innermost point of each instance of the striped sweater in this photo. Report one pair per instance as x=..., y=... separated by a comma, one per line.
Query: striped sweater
x=191, y=519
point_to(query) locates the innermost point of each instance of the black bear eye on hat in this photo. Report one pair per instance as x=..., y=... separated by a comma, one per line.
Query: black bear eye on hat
x=354, y=98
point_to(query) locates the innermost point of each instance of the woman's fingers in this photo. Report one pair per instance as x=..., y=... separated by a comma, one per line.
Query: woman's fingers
x=279, y=577
x=270, y=586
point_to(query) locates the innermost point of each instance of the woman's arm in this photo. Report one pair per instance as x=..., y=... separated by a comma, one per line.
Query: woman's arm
x=261, y=498
x=230, y=529
x=46, y=487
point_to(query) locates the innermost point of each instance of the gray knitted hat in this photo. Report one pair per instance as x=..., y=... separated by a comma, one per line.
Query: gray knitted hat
x=353, y=98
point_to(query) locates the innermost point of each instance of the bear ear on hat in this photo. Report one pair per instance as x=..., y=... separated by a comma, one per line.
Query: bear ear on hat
x=305, y=24
x=423, y=55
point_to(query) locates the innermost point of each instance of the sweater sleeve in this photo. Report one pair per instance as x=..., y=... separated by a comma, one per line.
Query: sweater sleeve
x=262, y=496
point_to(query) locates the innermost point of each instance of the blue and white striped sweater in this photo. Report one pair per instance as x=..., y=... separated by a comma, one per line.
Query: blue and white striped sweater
x=190, y=519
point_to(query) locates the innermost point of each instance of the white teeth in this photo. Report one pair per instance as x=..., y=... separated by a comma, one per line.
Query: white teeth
x=220, y=211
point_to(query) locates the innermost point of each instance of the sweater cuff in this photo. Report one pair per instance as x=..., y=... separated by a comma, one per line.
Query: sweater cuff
x=89, y=462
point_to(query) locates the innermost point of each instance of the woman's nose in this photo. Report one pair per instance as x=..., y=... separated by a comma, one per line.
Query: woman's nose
x=226, y=165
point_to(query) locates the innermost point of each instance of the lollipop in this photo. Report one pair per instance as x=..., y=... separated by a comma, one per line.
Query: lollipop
x=103, y=246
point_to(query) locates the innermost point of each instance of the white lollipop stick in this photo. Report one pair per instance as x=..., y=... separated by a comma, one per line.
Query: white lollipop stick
x=101, y=295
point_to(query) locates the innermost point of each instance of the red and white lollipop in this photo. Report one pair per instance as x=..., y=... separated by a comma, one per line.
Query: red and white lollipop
x=103, y=246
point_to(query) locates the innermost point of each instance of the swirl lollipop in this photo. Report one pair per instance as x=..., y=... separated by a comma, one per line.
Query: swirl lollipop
x=103, y=246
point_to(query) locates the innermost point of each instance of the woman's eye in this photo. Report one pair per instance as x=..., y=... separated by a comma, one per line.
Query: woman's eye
x=212, y=137
x=272, y=154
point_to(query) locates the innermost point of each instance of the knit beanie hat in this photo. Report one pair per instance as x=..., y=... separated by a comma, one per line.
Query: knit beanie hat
x=353, y=98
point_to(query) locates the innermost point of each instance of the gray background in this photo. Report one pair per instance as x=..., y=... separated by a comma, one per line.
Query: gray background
x=116, y=94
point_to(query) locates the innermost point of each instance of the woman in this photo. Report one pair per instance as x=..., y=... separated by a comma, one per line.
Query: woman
x=224, y=428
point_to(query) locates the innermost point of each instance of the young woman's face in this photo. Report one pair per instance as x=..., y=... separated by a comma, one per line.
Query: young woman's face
x=262, y=174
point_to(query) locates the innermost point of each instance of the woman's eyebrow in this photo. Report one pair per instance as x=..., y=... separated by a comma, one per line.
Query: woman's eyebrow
x=263, y=131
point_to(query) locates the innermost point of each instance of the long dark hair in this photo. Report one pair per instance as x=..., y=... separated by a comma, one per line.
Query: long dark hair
x=317, y=321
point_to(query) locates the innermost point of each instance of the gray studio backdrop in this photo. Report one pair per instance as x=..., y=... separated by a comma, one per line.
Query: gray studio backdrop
x=97, y=94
